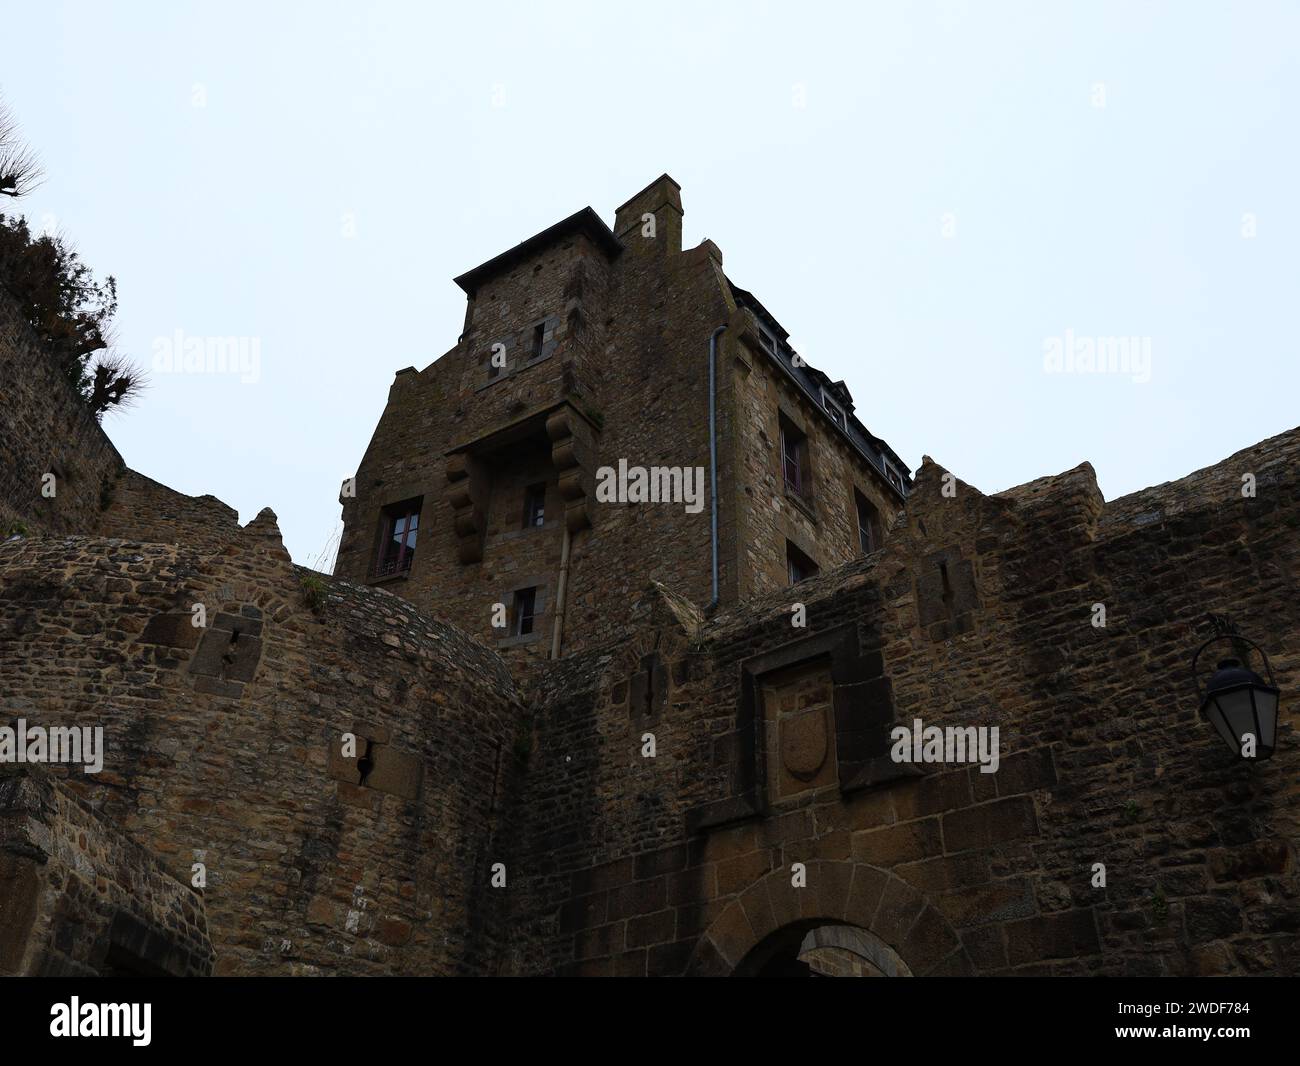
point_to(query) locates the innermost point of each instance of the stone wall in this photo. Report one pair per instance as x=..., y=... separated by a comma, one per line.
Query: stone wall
x=978, y=612
x=683, y=794
x=623, y=376
x=225, y=744
x=45, y=428
x=78, y=898
x=823, y=522
x=140, y=508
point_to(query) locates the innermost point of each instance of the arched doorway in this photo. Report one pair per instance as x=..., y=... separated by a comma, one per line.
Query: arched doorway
x=820, y=949
x=844, y=918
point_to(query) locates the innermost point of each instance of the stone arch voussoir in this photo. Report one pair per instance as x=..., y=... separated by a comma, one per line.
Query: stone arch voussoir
x=840, y=892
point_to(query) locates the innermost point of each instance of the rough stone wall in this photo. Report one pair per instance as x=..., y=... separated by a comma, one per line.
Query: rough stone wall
x=224, y=744
x=78, y=898
x=46, y=429
x=978, y=612
x=627, y=344
x=140, y=508
x=769, y=742
x=823, y=523
x=453, y=402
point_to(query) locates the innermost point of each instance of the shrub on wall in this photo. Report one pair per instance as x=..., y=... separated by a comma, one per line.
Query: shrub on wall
x=71, y=312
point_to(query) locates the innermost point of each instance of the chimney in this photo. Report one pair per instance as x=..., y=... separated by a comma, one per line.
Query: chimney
x=662, y=199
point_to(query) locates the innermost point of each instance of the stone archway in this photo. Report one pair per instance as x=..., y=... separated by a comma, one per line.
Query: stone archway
x=886, y=921
x=847, y=951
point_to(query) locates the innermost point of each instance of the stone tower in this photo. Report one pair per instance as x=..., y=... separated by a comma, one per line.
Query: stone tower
x=583, y=372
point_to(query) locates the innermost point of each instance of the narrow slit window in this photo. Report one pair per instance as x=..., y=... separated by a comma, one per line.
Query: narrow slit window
x=794, y=459
x=535, y=506
x=525, y=611
x=868, y=523
x=539, y=339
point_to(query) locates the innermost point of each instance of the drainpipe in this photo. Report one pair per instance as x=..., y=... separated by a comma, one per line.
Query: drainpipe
x=561, y=587
x=713, y=452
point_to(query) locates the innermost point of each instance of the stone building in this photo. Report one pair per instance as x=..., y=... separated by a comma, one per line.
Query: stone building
x=323, y=777
x=584, y=350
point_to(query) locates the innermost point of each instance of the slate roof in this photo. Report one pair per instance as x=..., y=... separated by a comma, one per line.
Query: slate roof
x=812, y=381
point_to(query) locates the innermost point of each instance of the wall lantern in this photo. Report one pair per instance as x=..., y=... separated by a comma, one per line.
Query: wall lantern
x=1236, y=700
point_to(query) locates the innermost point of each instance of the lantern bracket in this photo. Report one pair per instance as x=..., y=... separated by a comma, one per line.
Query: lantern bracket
x=1227, y=631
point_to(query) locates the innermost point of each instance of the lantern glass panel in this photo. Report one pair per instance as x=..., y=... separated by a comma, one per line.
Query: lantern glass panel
x=1266, y=708
x=1221, y=725
x=1238, y=710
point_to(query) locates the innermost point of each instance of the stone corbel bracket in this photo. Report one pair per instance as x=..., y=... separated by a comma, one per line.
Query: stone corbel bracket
x=463, y=493
x=572, y=449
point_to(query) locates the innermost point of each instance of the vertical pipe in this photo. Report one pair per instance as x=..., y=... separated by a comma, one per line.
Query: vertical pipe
x=713, y=452
x=561, y=590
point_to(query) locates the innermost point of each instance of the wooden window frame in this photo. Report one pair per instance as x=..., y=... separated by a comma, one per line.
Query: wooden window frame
x=393, y=514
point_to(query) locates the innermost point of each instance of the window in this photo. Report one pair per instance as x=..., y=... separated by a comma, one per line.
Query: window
x=895, y=478
x=767, y=340
x=495, y=360
x=833, y=409
x=525, y=612
x=401, y=525
x=539, y=340
x=535, y=506
x=868, y=523
x=799, y=566
x=794, y=459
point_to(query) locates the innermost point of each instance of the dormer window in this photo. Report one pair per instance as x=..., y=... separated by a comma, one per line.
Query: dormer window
x=833, y=409
x=767, y=340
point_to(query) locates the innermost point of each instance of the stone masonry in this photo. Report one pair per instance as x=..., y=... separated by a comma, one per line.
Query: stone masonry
x=341, y=775
x=604, y=336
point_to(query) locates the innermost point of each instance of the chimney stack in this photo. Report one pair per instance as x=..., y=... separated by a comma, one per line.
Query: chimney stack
x=662, y=199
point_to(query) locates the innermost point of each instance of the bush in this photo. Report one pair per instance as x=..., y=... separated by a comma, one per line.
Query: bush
x=70, y=311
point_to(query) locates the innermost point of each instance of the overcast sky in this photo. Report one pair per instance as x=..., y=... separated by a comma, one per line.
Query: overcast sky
x=928, y=196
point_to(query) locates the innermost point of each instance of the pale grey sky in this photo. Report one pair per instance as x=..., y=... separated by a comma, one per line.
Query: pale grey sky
x=925, y=194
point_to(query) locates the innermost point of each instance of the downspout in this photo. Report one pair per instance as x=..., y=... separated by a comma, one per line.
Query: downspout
x=561, y=588
x=713, y=452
